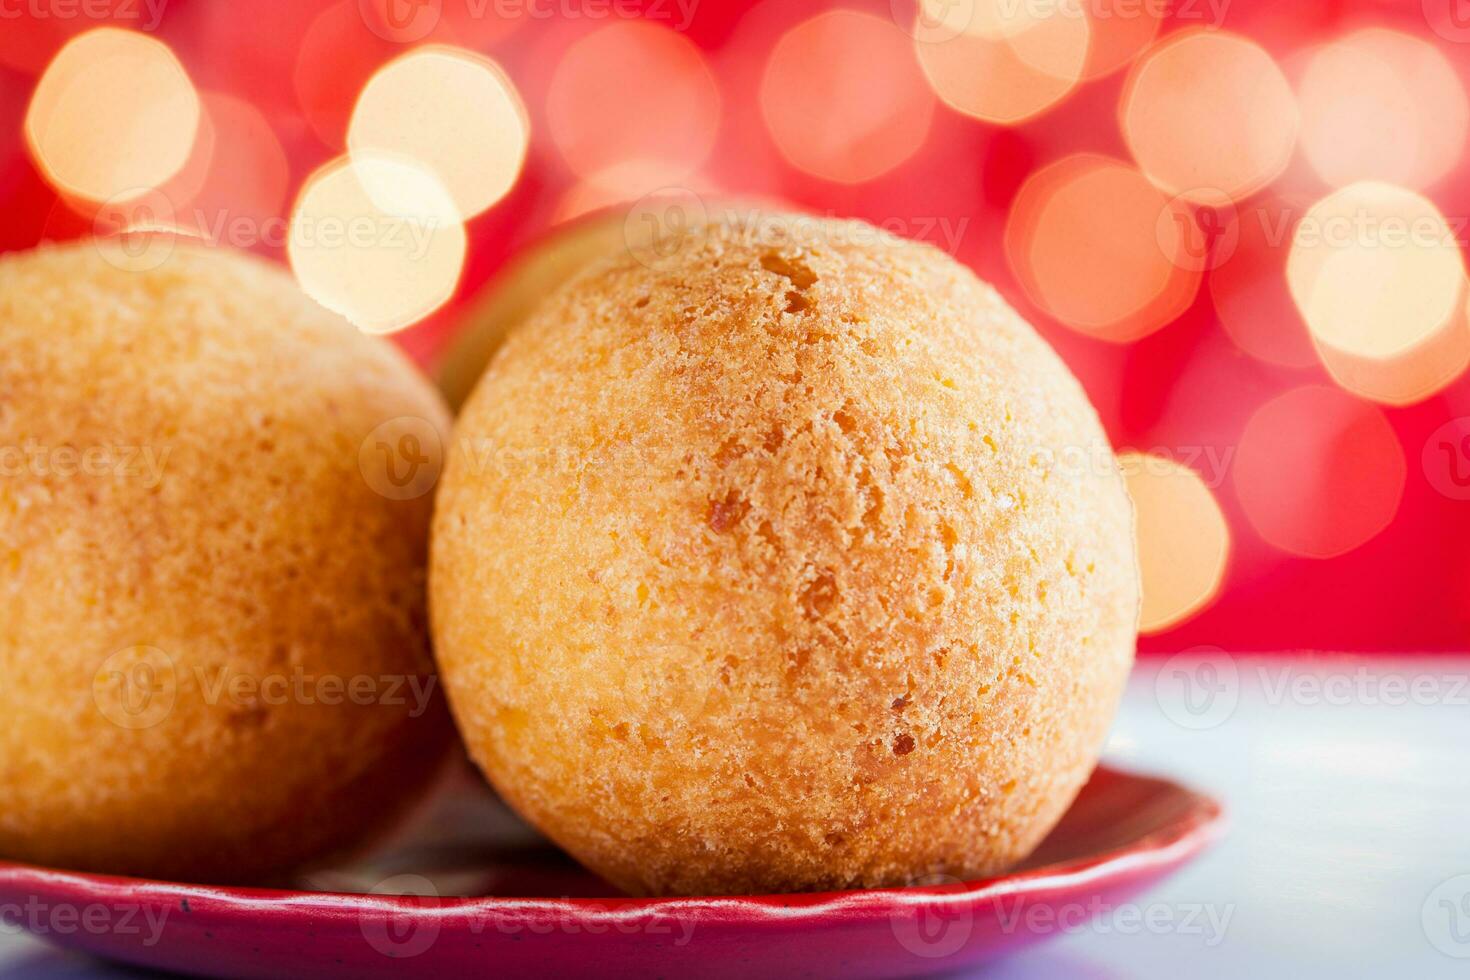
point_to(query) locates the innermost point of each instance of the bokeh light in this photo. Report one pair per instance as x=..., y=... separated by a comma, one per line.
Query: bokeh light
x=1406, y=378
x=633, y=91
x=1086, y=240
x=999, y=61
x=842, y=98
x=1207, y=111
x=231, y=191
x=1382, y=105
x=33, y=30
x=114, y=114
x=1183, y=540
x=1318, y=472
x=1375, y=271
x=452, y=111
x=382, y=262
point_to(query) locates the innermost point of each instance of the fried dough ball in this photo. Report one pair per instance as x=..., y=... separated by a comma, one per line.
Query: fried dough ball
x=792, y=560
x=214, y=651
x=555, y=258
x=510, y=298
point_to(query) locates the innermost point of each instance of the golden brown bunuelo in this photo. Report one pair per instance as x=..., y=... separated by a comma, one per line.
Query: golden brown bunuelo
x=195, y=570
x=793, y=559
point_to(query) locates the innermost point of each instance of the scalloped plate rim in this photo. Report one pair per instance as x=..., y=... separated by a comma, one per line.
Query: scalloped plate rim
x=1202, y=822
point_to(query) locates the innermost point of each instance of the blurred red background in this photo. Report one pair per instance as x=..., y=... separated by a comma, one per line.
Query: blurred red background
x=1218, y=375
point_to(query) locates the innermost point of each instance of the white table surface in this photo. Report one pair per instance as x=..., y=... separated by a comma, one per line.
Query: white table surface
x=1348, y=782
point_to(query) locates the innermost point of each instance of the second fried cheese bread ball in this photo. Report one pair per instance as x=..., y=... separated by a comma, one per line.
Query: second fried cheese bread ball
x=791, y=559
x=214, y=644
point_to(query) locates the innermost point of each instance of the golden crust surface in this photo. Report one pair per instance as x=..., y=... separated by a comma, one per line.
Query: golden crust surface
x=194, y=569
x=793, y=560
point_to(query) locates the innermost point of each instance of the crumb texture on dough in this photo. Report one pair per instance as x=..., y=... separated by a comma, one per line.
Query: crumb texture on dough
x=182, y=474
x=793, y=560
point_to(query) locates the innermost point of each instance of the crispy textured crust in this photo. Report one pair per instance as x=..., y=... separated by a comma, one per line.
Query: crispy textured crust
x=251, y=546
x=794, y=560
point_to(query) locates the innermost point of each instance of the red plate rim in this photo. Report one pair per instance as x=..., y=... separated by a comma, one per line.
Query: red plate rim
x=1201, y=822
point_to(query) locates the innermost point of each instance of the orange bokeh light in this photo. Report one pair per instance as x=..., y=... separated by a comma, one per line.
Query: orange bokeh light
x=114, y=115
x=1319, y=472
x=1003, y=62
x=378, y=240
x=232, y=190
x=1086, y=240
x=842, y=98
x=1183, y=540
x=633, y=91
x=1376, y=272
x=1209, y=113
x=1406, y=378
x=49, y=25
x=454, y=112
x=1382, y=105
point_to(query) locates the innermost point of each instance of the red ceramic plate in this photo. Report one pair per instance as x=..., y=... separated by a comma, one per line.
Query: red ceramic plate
x=1123, y=833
